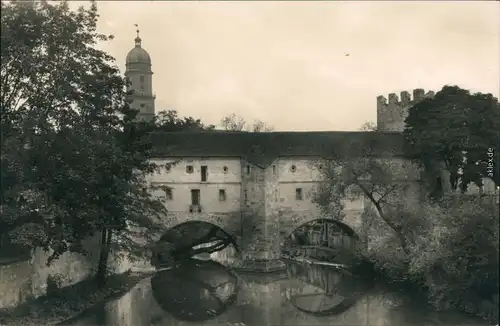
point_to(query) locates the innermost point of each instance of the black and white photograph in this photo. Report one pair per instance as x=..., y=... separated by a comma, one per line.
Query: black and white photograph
x=249, y=163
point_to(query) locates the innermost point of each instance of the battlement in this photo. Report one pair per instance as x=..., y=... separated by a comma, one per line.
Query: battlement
x=392, y=111
x=406, y=99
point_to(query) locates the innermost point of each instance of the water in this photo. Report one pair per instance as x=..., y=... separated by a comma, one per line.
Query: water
x=204, y=292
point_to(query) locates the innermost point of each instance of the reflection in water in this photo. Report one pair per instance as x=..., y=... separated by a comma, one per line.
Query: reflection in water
x=208, y=288
x=206, y=293
x=322, y=290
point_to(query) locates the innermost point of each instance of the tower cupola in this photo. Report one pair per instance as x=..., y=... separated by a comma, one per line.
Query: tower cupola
x=140, y=77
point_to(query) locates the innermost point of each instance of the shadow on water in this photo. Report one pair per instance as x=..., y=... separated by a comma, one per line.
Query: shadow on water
x=208, y=289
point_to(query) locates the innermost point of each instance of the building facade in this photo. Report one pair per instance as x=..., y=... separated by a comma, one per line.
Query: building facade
x=258, y=186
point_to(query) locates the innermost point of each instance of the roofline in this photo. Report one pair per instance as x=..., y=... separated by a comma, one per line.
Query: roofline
x=277, y=157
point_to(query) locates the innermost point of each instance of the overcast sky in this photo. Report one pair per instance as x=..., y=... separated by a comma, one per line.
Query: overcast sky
x=285, y=62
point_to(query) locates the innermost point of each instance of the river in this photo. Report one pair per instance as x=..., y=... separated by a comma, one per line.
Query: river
x=207, y=293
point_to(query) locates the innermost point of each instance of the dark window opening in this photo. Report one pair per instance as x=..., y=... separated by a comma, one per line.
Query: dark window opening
x=224, y=169
x=298, y=194
x=189, y=169
x=168, y=193
x=204, y=169
x=195, y=196
x=248, y=169
x=222, y=195
x=143, y=105
x=245, y=194
x=274, y=169
x=293, y=168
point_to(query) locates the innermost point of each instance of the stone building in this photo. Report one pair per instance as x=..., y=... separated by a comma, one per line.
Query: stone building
x=246, y=182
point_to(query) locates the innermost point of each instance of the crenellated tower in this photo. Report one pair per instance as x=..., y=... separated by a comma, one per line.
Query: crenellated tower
x=392, y=112
x=138, y=72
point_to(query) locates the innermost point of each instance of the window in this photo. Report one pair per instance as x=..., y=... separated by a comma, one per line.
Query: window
x=195, y=196
x=141, y=78
x=320, y=167
x=293, y=168
x=143, y=105
x=248, y=169
x=222, y=195
x=224, y=169
x=204, y=169
x=245, y=194
x=189, y=169
x=298, y=194
x=274, y=169
x=168, y=193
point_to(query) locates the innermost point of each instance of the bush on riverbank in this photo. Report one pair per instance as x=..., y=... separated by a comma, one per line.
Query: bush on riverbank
x=453, y=254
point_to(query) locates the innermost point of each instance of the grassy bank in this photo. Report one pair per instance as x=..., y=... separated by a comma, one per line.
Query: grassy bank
x=69, y=301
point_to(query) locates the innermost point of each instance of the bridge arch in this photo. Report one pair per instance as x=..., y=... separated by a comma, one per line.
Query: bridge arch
x=184, y=237
x=321, y=237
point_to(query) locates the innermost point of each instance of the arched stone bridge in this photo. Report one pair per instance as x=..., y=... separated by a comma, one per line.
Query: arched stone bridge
x=261, y=238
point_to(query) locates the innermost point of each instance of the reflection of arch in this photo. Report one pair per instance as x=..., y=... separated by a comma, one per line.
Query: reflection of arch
x=338, y=291
x=195, y=290
x=181, y=240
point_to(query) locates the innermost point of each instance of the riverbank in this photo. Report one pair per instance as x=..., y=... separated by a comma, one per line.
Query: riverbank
x=69, y=301
x=478, y=307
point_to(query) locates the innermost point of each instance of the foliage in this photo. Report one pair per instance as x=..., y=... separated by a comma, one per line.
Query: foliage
x=455, y=128
x=233, y=122
x=347, y=178
x=73, y=157
x=456, y=258
x=368, y=126
x=170, y=121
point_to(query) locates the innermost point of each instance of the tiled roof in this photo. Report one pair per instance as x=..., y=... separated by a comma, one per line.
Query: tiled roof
x=262, y=148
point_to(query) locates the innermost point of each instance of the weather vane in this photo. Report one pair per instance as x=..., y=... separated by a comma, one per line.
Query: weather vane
x=137, y=31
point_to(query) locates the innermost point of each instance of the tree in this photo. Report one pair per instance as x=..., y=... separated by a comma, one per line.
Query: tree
x=170, y=121
x=348, y=177
x=368, y=126
x=233, y=122
x=454, y=129
x=74, y=159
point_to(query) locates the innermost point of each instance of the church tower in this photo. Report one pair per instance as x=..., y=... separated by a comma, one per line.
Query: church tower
x=138, y=72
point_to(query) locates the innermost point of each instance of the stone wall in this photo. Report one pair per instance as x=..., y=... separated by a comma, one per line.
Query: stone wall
x=27, y=279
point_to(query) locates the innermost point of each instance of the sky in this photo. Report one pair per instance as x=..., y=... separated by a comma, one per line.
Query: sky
x=286, y=63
